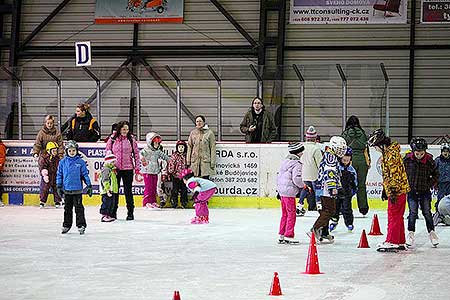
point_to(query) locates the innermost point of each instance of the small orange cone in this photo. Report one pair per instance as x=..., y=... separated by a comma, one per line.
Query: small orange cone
x=275, y=289
x=363, y=243
x=375, y=229
x=312, y=262
x=176, y=295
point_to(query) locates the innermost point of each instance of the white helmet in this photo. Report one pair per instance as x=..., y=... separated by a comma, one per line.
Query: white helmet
x=338, y=145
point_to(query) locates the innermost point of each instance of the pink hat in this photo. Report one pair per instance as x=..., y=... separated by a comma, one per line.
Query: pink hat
x=311, y=133
x=109, y=158
x=184, y=173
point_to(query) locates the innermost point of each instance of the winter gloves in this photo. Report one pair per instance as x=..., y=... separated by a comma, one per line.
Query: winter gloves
x=44, y=174
x=89, y=190
x=60, y=191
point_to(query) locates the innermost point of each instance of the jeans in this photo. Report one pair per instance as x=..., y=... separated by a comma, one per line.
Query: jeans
x=344, y=205
x=423, y=200
x=311, y=197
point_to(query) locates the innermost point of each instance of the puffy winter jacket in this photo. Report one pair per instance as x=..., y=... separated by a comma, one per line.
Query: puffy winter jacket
x=84, y=129
x=289, y=179
x=395, y=180
x=443, y=165
x=329, y=176
x=127, y=155
x=177, y=163
x=71, y=172
x=2, y=156
x=349, y=181
x=152, y=156
x=108, y=180
x=198, y=184
x=46, y=135
x=422, y=174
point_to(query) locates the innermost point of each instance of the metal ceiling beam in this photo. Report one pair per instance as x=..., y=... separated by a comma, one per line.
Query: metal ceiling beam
x=233, y=22
x=45, y=22
x=125, y=51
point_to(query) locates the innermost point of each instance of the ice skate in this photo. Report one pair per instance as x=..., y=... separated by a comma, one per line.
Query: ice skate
x=204, y=219
x=65, y=230
x=390, y=247
x=410, y=239
x=130, y=216
x=41, y=205
x=434, y=238
x=152, y=206
x=333, y=225
x=300, y=210
x=317, y=234
x=291, y=241
x=81, y=230
x=281, y=239
x=350, y=228
x=1, y=203
x=196, y=220
x=107, y=219
x=326, y=239
x=58, y=205
x=162, y=202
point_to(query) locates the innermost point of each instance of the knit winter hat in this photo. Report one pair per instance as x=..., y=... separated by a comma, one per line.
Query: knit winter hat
x=110, y=158
x=311, y=133
x=295, y=147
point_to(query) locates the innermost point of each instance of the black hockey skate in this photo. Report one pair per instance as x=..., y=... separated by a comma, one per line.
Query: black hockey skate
x=65, y=230
x=388, y=247
x=81, y=230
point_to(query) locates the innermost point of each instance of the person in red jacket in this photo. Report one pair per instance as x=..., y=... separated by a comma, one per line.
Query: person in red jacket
x=2, y=166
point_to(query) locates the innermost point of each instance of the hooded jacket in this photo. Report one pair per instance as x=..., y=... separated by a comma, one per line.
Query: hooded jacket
x=126, y=152
x=72, y=171
x=46, y=135
x=201, y=154
x=395, y=180
x=443, y=165
x=108, y=180
x=152, y=156
x=50, y=163
x=268, y=126
x=83, y=129
x=422, y=174
x=289, y=179
x=177, y=161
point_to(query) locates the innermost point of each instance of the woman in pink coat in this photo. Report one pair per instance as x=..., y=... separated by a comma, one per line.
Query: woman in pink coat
x=124, y=146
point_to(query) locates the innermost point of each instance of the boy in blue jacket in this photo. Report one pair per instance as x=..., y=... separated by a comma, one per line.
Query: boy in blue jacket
x=72, y=171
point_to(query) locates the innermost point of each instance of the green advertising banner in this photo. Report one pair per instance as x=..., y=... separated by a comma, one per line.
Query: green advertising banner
x=138, y=11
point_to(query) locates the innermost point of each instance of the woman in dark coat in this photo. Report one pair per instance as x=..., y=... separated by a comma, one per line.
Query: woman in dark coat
x=258, y=124
x=356, y=139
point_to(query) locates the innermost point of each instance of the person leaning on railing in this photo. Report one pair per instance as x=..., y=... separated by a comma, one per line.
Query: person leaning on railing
x=83, y=127
x=48, y=133
x=258, y=124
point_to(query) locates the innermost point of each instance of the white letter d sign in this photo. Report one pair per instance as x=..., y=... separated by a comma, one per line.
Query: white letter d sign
x=83, y=54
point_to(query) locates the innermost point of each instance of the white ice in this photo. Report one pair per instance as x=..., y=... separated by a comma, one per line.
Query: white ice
x=233, y=257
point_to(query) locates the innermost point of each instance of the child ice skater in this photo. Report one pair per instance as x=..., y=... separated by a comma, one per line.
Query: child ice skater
x=72, y=171
x=423, y=175
x=348, y=189
x=109, y=188
x=328, y=184
x=177, y=163
x=289, y=184
x=48, y=166
x=203, y=190
x=395, y=187
x=443, y=165
x=2, y=167
x=150, y=156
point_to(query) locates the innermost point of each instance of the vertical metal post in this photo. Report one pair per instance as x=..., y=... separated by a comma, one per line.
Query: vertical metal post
x=178, y=95
x=138, y=109
x=344, y=95
x=260, y=85
x=99, y=96
x=302, y=102
x=58, y=95
x=219, y=101
x=388, y=99
x=59, y=103
x=19, y=95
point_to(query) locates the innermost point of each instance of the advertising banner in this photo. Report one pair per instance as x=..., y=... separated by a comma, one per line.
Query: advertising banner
x=138, y=11
x=348, y=12
x=437, y=11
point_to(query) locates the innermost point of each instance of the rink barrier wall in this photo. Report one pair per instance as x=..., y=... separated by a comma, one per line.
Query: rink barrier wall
x=246, y=174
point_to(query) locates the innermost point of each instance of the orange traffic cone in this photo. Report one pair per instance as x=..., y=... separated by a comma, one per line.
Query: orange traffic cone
x=275, y=289
x=176, y=295
x=375, y=229
x=312, y=262
x=363, y=243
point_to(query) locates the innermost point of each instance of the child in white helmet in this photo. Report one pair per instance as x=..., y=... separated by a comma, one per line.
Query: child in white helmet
x=328, y=183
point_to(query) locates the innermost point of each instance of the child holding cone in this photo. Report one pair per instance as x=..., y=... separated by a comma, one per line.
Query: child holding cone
x=395, y=187
x=289, y=184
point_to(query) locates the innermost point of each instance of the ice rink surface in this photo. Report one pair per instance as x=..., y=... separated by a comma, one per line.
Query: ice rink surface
x=232, y=258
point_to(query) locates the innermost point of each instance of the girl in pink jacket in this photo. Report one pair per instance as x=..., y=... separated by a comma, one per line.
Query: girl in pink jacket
x=124, y=146
x=289, y=184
